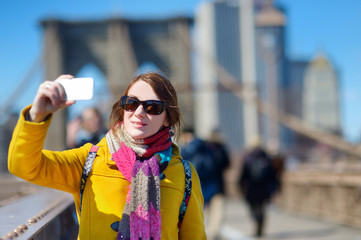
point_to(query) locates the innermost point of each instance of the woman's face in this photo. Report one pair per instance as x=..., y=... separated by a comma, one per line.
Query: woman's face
x=138, y=123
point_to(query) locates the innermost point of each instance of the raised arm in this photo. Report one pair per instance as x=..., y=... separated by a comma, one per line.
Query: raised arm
x=27, y=159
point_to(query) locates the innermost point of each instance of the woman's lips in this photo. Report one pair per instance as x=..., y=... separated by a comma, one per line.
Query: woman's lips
x=138, y=124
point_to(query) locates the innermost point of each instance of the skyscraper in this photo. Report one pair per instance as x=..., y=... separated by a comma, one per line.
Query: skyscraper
x=270, y=61
x=293, y=92
x=321, y=96
x=221, y=44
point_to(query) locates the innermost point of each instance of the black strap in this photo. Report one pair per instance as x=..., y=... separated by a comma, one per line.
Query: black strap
x=86, y=171
x=187, y=191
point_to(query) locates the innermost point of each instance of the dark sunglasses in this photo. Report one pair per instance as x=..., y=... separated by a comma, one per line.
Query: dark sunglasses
x=131, y=104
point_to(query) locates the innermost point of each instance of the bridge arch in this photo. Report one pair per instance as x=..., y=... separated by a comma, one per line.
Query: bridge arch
x=117, y=47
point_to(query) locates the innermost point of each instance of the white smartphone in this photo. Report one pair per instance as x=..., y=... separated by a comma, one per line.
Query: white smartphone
x=78, y=88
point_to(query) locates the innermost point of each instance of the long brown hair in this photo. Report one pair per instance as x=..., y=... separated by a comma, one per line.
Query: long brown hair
x=164, y=90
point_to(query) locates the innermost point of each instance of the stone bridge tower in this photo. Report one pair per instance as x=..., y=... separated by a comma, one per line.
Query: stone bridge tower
x=118, y=47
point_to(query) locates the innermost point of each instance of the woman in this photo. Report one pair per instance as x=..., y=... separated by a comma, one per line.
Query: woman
x=136, y=185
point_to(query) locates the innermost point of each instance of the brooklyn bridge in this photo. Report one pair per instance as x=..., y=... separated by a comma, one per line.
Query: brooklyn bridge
x=321, y=180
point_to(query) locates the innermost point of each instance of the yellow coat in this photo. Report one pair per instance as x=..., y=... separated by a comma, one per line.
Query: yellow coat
x=106, y=188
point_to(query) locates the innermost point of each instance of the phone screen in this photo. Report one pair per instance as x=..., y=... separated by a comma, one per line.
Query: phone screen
x=78, y=88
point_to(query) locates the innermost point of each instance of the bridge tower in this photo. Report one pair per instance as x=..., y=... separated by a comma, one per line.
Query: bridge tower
x=117, y=47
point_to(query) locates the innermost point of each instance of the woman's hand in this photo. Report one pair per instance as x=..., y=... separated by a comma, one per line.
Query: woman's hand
x=49, y=98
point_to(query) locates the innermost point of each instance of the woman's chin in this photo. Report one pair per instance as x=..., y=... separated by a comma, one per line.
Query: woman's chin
x=137, y=134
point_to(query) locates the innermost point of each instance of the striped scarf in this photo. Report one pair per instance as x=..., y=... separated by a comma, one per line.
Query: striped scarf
x=142, y=163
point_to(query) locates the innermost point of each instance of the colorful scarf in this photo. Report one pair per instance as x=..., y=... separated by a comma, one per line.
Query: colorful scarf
x=142, y=163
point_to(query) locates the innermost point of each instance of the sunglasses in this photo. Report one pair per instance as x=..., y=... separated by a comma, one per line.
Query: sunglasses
x=131, y=104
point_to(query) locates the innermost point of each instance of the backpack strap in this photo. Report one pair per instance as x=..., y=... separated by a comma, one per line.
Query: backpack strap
x=187, y=191
x=86, y=170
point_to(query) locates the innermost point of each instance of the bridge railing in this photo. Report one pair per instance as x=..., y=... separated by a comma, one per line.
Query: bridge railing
x=45, y=214
x=331, y=192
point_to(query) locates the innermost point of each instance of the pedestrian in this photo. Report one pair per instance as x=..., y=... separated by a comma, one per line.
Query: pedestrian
x=216, y=204
x=257, y=184
x=88, y=128
x=137, y=186
x=202, y=154
x=195, y=150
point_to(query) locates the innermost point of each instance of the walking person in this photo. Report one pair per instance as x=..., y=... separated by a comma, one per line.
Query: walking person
x=137, y=186
x=216, y=205
x=195, y=150
x=257, y=184
x=209, y=158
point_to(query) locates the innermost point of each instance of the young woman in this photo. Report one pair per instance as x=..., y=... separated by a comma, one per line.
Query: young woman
x=137, y=182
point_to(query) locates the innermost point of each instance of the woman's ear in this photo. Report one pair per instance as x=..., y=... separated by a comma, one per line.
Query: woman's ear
x=166, y=123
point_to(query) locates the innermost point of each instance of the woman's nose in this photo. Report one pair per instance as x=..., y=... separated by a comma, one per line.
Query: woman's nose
x=140, y=111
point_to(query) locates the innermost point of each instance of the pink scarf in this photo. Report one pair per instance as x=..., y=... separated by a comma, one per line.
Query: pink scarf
x=142, y=163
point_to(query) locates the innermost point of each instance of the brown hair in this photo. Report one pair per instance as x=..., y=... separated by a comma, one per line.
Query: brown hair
x=164, y=90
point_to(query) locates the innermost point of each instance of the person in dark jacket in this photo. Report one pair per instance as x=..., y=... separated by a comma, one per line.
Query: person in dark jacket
x=216, y=206
x=210, y=159
x=195, y=150
x=257, y=184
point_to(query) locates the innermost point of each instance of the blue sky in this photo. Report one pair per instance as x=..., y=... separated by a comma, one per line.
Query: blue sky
x=330, y=26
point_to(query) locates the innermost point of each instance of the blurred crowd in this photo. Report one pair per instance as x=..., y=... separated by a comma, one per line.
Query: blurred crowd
x=259, y=177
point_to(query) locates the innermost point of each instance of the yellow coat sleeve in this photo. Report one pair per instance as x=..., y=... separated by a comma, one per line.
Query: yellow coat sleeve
x=28, y=160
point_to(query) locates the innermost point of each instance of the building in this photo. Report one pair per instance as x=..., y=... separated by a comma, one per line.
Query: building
x=224, y=37
x=321, y=101
x=296, y=143
x=246, y=40
x=271, y=62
